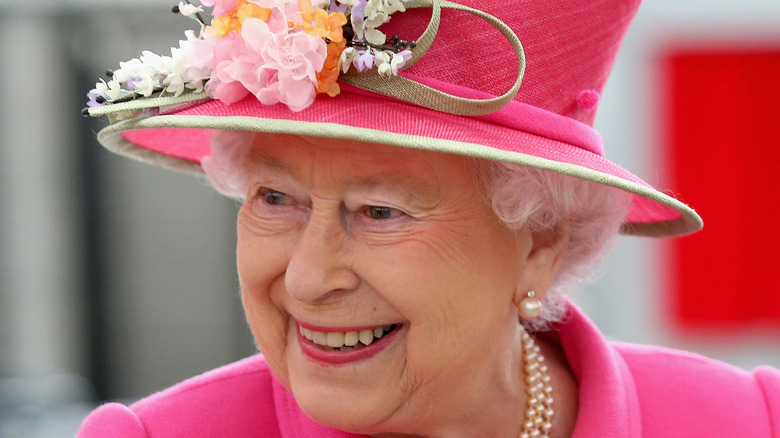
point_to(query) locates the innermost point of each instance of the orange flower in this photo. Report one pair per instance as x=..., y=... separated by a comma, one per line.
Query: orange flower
x=327, y=77
x=328, y=27
x=232, y=22
x=319, y=23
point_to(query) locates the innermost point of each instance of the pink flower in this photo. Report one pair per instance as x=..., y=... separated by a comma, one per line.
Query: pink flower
x=225, y=83
x=221, y=7
x=199, y=54
x=283, y=10
x=276, y=67
x=228, y=93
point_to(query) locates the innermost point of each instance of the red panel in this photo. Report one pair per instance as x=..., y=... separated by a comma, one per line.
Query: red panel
x=723, y=151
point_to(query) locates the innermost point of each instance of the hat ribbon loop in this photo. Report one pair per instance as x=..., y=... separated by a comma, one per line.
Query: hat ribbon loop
x=410, y=91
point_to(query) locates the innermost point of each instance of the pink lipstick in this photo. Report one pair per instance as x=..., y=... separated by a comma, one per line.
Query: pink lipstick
x=344, y=345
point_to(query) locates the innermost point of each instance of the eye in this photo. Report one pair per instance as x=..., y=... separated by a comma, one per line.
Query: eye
x=272, y=197
x=379, y=213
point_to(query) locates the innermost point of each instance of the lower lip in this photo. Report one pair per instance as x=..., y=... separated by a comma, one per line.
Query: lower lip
x=324, y=357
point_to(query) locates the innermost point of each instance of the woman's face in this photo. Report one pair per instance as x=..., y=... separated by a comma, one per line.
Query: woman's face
x=340, y=238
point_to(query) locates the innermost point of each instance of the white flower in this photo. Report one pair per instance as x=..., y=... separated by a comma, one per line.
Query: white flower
x=153, y=64
x=399, y=60
x=346, y=58
x=385, y=70
x=197, y=86
x=383, y=63
x=376, y=37
x=189, y=10
x=320, y=4
x=378, y=11
x=393, y=6
x=101, y=87
x=347, y=2
x=112, y=90
x=372, y=7
x=197, y=56
x=127, y=70
x=150, y=59
x=359, y=27
x=376, y=20
x=190, y=34
x=383, y=57
x=145, y=85
x=176, y=64
x=174, y=84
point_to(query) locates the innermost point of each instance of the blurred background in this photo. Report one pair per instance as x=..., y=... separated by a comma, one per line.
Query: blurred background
x=118, y=279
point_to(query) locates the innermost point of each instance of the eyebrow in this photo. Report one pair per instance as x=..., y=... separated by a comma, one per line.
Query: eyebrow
x=385, y=179
x=275, y=164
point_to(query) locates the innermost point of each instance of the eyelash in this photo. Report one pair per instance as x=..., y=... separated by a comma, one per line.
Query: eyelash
x=269, y=202
x=270, y=194
x=372, y=211
x=273, y=197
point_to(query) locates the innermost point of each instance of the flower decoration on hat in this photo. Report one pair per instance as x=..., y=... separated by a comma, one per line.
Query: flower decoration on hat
x=280, y=51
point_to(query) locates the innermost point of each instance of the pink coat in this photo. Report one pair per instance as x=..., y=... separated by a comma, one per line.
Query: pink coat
x=626, y=391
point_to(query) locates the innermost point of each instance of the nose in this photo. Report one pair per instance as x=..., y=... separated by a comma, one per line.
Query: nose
x=320, y=262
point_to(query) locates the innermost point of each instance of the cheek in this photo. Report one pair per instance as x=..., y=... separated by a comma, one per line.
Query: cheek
x=455, y=287
x=261, y=266
x=463, y=258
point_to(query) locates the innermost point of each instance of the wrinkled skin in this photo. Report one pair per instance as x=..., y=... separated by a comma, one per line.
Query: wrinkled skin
x=345, y=234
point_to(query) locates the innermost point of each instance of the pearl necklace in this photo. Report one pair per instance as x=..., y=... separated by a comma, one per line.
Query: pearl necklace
x=539, y=400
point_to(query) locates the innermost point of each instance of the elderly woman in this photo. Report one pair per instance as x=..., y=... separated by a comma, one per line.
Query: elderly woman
x=406, y=238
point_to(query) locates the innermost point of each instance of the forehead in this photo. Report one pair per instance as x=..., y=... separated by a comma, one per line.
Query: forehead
x=303, y=156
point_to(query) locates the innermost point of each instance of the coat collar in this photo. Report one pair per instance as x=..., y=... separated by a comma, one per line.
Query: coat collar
x=608, y=403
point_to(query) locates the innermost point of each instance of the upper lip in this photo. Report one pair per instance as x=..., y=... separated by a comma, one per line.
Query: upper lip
x=328, y=329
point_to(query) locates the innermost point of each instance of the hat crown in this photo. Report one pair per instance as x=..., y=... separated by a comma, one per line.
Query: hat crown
x=570, y=47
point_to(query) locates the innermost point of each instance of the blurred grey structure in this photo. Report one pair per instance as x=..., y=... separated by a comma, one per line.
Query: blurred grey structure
x=628, y=301
x=117, y=279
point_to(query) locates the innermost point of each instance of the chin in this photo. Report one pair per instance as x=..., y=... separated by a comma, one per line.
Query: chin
x=348, y=398
x=349, y=412
x=358, y=396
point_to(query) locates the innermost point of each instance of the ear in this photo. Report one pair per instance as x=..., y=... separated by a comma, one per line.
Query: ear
x=544, y=254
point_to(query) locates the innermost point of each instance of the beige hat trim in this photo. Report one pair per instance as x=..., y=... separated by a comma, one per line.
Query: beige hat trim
x=111, y=138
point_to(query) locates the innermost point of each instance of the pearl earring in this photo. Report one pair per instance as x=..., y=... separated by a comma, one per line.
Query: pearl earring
x=530, y=306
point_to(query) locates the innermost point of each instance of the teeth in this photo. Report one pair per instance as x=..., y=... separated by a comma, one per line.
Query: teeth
x=335, y=339
x=308, y=334
x=351, y=338
x=366, y=337
x=345, y=341
x=320, y=338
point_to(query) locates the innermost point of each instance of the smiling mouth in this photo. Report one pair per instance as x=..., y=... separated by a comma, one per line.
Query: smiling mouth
x=346, y=341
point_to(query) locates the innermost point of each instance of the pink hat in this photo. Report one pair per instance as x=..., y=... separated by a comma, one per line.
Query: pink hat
x=277, y=66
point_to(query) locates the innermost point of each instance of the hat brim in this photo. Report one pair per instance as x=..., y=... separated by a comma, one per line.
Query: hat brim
x=178, y=138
